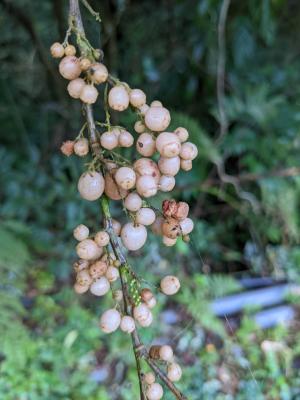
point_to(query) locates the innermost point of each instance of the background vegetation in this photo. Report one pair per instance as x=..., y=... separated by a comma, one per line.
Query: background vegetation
x=51, y=347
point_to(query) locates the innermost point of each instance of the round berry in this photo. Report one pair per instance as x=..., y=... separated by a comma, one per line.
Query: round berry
x=125, y=178
x=133, y=236
x=102, y=238
x=169, y=166
x=80, y=289
x=83, y=278
x=187, y=225
x=186, y=165
x=118, y=98
x=182, y=134
x=125, y=139
x=139, y=127
x=81, y=147
x=127, y=324
x=168, y=241
x=146, y=186
x=89, y=94
x=157, y=119
x=57, y=50
x=85, y=64
x=69, y=67
x=149, y=378
x=168, y=144
x=145, y=216
x=98, y=269
x=99, y=73
x=81, y=232
x=112, y=274
x=154, y=392
x=166, y=353
x=137, y=98
x=145, y=145
x=188, y=151
x=91, y=185
x=133, y=202
x=75, y=87
x=174, y=372
x=110, y=321
x=109, y=140
x=100, y=286
x=112, y=190
x=170, y=285
x=87, y=249
x=156, y=103
x=166, y=183
x=70, y=50
x=147, y=167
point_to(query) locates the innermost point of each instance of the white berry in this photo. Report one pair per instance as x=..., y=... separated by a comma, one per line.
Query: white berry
x=91, y=185
x=110, y=321
x=133, y=236
x=81, y=232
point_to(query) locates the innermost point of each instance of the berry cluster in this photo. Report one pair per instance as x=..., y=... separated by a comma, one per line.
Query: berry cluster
x=160, y=155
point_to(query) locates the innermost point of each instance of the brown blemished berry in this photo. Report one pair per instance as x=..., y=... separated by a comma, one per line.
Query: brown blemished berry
x=112, y=190
x=145, y=145
x=110, y=321
x=80, y=265
x=182, y=134
x=80, y=289
x=75, y=87
x=169, y=207
x=133, y=236
x=148, y=297
x=147, y=167
x=69, y=67
x=83, y=278
x=91, y=185
x=125, y=139
x=133, y=202
x=145, y=216
x=125, y=177
x=85, y=64
x=109, y=140
x=99, y=73
x=98, y=269
x=170, y=285
x=188, y=151
x=168, y=144
x=127, y=324
x=157, y=119
x=118, y=98
x=57, y=50
x=139, y=127
x=137, y=98
x=100, y=286
x=67, y=148
x=174, y=372
x=186, y=165
x=154, y=352
x=166, y=353
x=102, y=238
x=81, y=232
x=89, y=94
x=81, y=147
x=182, y=210
x=186, y=225
x=169, y=166
x=70, y=50
x=171, y=228
x=87, y=249
x=166, y=183
x=146, y=186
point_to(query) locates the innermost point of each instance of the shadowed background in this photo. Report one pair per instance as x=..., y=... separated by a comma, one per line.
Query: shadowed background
x=232, y=348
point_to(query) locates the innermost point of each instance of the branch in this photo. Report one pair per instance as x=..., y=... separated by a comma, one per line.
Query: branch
x=139, y=348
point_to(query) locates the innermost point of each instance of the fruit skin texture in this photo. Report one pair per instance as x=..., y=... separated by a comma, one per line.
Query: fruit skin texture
x=98, y=269
x=81, y=147
x=157, y=119
x=69, y=67
x=109, y=140
x=133, y=237
x=57, y=50
x=171, y=228
x=170, y=285
x=112, y=190
x=110, y=321
x=145, y=145
x=186, y=165
x=145, y=216
x=81, y=232
x=100, y=287
x=87, y=249
x=137, y=98
x=166, y=183
x=125, y=177
x=188, y=151
x=146, y=186
x=125, y=139
x=70, y=50
x=154, y=392
x=91, y=185
x=83, y=278
x=166, y=353
x=147, y=167
x=141, y=313
x=80, y=289
x=169, y=166
x=89, y=94
x=75, y=87
x=118, y=98
x=187, y=225
x=127, y=324
x=102, y=238
x=133, y=202
x=98, y=73
x=168, y=144
x=182, y=134
x=174, y=372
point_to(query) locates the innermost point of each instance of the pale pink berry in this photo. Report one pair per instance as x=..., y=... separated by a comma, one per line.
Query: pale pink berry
x=102, y=238
x=144, y=109
x=174, y=372
x=57, y=50
x=127, y=324
x=70, y=50
x=133, y=236
x=186, y=165
x=166, y=183
x=170, y=285
x=98, y=269
x=125, y=139
x=79, y=265
x=145, y=216
x=147, y=167
x=80, y=289
x=118, y=98
x=91, y=185
x=116, y=226
x=168, y=241
x=157, y=119
x=186, y=225
x=89, y=94
x=154, y=392
x=182, y=134
x=98, y=73
x=100, y=286
x=110, y=321
x=109, y=140
x=146, y=322
x=148, y=297
x=168, y=144
x=146, y=186
x=112, y=274
x=81, y=147
x=69, y=67
x=139, y=127
x=75, y=87
x=81, y=232
x=169, y=166
x=125, y=177
x=83, y=278
x=188, y=151
x=133, y=202
x=141, y=312
x=87, y=249
x=137, y=98
x=85, y=64
x=149, y=378
x=156, y=103
x=166, y=353
x=145, y=145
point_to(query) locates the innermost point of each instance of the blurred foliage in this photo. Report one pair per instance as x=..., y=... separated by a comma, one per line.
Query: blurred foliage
x=51, y=347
